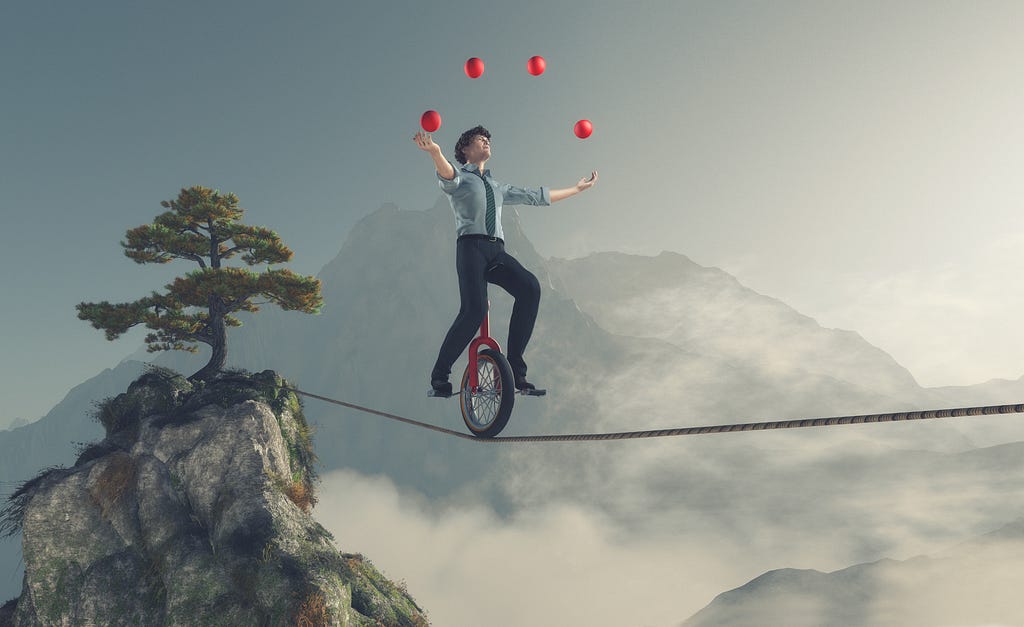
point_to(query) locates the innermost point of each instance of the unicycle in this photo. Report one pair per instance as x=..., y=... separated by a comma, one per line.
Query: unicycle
x=487, y=394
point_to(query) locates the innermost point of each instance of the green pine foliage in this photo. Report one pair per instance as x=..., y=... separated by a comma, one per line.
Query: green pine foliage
x=202, y=225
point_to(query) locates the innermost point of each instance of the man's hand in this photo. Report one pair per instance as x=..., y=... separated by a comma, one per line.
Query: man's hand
x=586, y=183
x=426, y=142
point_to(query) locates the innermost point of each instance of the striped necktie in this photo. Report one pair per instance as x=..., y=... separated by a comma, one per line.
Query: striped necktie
x=491, y=211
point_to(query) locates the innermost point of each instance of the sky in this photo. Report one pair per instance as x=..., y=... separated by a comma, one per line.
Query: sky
x=860, y=161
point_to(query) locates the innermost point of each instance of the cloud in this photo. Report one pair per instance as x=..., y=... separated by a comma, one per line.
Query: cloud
x=661, y=545
x=555, y=565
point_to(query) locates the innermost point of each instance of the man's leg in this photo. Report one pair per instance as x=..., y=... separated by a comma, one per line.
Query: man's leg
x=525, y=288
x=471, y=264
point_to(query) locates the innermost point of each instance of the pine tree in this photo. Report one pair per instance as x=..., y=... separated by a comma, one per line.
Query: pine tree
x=202, y=226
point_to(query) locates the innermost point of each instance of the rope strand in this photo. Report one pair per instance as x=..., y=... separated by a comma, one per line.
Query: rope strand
x=929, y=414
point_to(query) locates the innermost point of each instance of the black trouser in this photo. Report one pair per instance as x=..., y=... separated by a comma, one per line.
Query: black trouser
x=480, y=261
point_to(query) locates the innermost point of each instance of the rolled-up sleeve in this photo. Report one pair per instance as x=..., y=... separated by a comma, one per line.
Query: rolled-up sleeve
x=513, y=195
x=447, y=186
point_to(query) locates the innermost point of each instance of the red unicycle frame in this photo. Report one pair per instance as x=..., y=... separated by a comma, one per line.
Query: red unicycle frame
x=484, y=339
x=487, y=394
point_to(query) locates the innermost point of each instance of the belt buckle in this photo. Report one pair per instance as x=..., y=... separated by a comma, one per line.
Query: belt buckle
x=492, y=240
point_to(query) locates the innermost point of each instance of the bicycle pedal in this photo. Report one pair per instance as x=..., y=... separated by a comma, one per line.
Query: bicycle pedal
x=432, y=393
x=533, y=392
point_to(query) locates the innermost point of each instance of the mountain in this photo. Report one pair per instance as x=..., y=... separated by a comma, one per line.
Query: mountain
x=194, y=509
x=976, y=582
x=26, y=449
x=17, y=422
x=622, y=342
x=707, y=311
x=391, y=294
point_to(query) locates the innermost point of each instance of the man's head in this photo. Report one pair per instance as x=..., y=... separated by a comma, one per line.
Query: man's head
x=473, y=145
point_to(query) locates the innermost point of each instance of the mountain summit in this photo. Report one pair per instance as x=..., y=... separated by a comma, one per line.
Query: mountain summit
x=194, y=510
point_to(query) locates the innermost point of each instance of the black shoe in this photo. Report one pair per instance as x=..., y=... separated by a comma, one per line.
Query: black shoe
x=440, y=388
x=522, y=384
x=528, y=388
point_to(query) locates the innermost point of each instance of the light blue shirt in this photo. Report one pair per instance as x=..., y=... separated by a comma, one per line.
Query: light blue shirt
x=469, y=199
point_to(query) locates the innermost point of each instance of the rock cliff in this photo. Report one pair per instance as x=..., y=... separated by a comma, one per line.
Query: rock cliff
x=193, y=510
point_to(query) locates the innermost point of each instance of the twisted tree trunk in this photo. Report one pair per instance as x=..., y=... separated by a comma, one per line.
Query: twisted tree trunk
x=216, y=333
x=216, y=336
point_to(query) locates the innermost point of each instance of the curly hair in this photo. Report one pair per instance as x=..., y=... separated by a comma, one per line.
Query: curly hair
x=465, y=139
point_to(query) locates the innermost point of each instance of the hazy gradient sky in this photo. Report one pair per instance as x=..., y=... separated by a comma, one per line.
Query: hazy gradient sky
x=861, y=161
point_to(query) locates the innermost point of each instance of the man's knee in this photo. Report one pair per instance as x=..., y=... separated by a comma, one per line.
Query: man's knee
x=532, y=289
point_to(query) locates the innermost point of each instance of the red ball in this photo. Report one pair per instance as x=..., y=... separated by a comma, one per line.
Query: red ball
x=536, y=65
x=474, y=67
x=430, y=121
x=583, y=129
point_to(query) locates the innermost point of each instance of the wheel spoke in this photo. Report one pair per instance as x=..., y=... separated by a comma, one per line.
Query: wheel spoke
x=483, y=405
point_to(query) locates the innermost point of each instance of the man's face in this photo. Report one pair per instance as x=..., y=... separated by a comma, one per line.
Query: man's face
x=478, y=149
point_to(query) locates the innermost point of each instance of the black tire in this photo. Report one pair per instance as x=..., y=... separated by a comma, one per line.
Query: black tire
x=486, y=412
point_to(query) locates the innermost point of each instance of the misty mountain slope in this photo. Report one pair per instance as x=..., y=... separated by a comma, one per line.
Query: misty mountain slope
x=976, y=583
x=708, y=311
x=983, y=432
x=51, y=440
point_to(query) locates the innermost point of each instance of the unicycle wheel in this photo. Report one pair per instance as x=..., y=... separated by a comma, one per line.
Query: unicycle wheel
x=486, y=410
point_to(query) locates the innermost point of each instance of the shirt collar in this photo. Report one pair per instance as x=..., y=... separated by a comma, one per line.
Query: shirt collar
x=471, y=167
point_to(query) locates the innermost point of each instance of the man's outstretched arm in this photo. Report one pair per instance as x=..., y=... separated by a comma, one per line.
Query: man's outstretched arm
x=584, y=184
x=426, y=143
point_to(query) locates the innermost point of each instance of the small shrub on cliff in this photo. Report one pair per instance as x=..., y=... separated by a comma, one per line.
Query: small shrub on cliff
x=13, y=512
x=113, y=482
x=313, y=611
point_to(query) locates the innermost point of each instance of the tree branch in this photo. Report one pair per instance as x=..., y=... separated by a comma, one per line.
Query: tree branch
x=187, y=256
x=235, y=304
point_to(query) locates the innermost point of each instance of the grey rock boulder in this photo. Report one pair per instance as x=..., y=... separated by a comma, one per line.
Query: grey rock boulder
x=194, y=510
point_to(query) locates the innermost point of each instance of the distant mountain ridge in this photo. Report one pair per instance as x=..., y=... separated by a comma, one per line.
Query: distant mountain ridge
x=976, y=582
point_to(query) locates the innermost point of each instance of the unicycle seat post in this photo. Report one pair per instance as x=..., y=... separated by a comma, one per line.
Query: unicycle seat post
x=482, y=340
x=485, y=326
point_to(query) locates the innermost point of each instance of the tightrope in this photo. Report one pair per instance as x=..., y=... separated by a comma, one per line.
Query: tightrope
x=930, y=414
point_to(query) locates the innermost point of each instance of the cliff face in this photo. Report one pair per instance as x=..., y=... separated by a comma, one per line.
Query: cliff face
x=193, y=510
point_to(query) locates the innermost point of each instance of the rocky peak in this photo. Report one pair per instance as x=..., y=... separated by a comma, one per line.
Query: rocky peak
x=194, y=509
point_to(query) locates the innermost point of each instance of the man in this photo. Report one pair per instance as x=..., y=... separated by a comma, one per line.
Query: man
x=480, y=257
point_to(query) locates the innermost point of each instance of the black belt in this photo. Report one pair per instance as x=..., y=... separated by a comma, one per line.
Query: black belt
x=486, y=238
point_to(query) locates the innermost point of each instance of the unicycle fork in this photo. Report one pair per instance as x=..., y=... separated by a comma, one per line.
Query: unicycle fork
x=487, y=394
